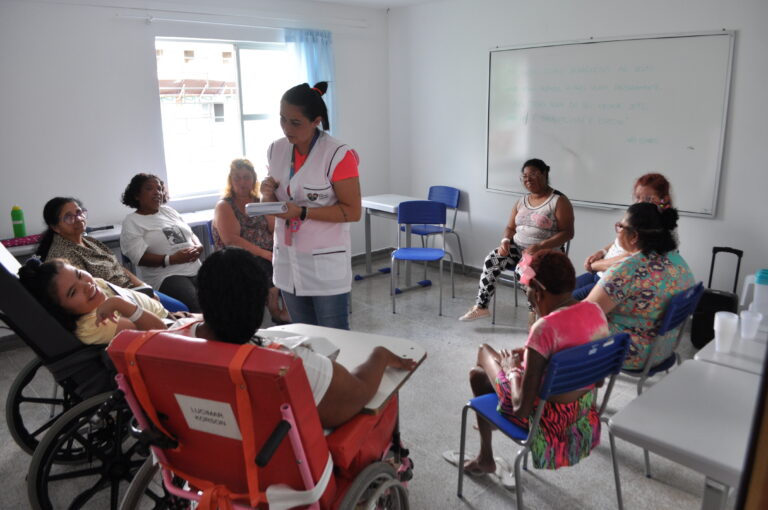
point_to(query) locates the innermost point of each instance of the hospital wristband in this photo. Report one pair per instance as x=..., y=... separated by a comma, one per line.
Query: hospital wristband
x=136, y=315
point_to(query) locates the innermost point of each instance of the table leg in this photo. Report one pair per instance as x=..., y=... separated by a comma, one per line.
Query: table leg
x=408, y=262
x=367, y=241
x=368, y=257
x=715, y=495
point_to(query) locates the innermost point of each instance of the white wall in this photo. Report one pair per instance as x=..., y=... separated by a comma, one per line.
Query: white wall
x=79, y=96
x=439, y=82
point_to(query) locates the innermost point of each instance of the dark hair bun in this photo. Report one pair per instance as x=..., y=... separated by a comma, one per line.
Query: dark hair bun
x=30, y=268
x=669, y=218
x=322, y=87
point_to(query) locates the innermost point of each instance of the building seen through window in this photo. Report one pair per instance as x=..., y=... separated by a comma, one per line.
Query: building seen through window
x=219, y=101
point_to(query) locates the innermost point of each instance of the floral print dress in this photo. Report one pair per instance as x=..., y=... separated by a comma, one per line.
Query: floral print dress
x=641, y=286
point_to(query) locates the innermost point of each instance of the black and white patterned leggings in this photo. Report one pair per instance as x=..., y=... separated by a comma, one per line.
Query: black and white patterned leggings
x=492, y=267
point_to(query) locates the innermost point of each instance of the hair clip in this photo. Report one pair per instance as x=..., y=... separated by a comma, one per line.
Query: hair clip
x=524, y=270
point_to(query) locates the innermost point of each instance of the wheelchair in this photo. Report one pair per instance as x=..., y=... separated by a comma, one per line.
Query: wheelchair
x=236, y=426
x=82, y=452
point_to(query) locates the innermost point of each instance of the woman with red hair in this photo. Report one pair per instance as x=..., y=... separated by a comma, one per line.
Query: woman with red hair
x=653, y=188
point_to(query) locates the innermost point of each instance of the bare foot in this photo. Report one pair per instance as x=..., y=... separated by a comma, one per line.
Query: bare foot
x=476, y=467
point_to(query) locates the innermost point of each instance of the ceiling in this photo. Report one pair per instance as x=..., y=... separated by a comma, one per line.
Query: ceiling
x=376, y=4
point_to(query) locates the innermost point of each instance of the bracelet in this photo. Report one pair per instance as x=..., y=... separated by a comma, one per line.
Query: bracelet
x=167, y=261
x=303, y=214
x=506, y=239
x=136, y=315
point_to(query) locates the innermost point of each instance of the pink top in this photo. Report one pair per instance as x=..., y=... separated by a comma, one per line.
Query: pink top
x=567, y=327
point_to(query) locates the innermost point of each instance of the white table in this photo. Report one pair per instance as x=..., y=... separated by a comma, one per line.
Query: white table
x=110, y=234
x=384, y=206
x=354, y=349
x=700, y=415
x=744, y=354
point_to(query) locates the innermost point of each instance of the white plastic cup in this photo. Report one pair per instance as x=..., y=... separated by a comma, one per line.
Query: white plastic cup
x=750, y=322
x=726, y=326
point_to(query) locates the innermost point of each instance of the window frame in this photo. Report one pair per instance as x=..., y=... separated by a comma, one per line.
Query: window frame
x=206, y=199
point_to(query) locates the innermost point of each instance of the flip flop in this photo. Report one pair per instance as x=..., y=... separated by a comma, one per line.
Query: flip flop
x=503, y=474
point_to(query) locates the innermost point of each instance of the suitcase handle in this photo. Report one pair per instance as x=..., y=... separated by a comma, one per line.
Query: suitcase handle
x=726, y=249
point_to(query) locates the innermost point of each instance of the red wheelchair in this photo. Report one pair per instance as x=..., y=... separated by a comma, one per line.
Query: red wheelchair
x=236, y=427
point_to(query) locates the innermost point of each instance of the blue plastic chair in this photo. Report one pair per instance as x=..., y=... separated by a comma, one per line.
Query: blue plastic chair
x=567, y=370
x=679, y=309
x=450, y=197
x=421, y=212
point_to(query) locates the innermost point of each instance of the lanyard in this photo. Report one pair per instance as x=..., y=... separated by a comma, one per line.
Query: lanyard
x=293, y=157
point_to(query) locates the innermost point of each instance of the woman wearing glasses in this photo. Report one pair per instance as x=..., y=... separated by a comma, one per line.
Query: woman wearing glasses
x=65, y=238
x=634, y=293
x=653, y=188
x=541, y=219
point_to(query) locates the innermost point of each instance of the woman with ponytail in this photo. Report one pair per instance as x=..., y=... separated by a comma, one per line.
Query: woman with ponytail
x=316, y=175
x=635, y=292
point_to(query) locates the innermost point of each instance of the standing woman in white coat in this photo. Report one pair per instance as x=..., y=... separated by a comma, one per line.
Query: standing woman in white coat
x=316, y=176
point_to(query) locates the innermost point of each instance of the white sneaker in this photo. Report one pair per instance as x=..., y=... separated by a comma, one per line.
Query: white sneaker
x=475, y=313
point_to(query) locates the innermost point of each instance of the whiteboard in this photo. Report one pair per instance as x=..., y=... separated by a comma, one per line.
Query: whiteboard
x=601, y=113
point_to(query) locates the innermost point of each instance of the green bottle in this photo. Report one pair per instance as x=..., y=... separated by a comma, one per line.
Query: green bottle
x=17, y=218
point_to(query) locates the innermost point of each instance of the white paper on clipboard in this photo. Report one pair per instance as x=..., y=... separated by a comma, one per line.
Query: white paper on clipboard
x=262, y=208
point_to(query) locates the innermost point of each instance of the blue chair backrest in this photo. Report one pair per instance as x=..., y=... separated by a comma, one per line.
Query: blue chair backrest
x=580, y=366
x=680, y=307
x=445, y=194
x=421, y=212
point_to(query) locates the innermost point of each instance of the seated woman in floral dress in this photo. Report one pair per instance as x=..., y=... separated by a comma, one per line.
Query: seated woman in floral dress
x=233, y=227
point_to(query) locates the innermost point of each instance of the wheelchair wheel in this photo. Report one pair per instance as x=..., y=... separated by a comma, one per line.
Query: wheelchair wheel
x=376, y=488
x=147, y=492
x=110, y=457
x=29, y=414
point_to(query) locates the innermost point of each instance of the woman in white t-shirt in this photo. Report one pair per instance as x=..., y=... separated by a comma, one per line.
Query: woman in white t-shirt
x=158, y=241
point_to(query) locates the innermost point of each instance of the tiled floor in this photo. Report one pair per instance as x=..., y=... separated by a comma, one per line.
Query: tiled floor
x=431, y=405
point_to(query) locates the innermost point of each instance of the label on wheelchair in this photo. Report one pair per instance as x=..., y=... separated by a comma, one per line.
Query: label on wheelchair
x=209, y=416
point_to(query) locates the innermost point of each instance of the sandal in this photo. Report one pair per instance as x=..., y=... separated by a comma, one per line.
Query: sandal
x=502, y=475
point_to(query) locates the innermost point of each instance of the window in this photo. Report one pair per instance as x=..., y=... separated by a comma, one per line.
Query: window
x=215, y=109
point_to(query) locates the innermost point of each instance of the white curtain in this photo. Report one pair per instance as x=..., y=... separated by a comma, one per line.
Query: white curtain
x=314, y=54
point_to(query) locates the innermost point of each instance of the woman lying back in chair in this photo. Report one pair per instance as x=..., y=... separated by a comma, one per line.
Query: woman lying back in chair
x=232, y=291
x=570, y=423
x=93, y=309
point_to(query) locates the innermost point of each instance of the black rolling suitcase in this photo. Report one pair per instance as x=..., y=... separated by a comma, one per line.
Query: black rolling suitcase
x=702, y=326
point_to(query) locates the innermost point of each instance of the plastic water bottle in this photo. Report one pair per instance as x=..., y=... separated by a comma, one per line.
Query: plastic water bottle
x=759, y=282
x=17, y=218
